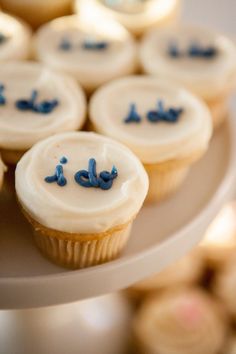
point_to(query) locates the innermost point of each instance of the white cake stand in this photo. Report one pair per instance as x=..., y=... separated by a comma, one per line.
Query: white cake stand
x=161, y=234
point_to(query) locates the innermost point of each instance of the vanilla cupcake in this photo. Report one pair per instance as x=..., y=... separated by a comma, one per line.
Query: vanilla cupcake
x=36, y=102
x=81, y=192
x=37, y=12
x=163, y=124
x=201, y=59
x=2, y=171
x=186, y=271
x=136, y=15
x=15, y=37
x=180, y=322
x=93, y=52
x=225, y=285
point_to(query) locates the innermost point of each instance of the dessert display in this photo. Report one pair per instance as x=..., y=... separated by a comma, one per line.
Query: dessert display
x=179, y=322
x=37, y=12
x=36, y=102
x=81, y=192
x=199, y=58
x=93, y=52
x=166, y=126
x=136, y=15
x=15, y=38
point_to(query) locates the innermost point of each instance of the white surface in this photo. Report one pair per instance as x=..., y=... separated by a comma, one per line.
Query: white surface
x=94, y=326
x=161, y=234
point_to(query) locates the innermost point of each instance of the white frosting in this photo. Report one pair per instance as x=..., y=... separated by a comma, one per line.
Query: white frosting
x=90, y=67
x=180, y=322
x=206, y=77
x=18, y=34
x=73, y=208
x=152, y=142
x=19, y=130
x=135, y=17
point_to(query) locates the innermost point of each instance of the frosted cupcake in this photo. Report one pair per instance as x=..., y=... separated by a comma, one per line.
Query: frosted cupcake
x=35, y=102
x=81, y=192
x=180, y=322
x=136, y=15
x=38, y=11
x=225, y=285
x=187, y=270
x=202, y=60
x=93, y=52
x=166, y=127
x=15, y=38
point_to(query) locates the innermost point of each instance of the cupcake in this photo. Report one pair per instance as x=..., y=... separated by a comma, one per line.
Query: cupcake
x=2, y=171
x=35, y=102
x=225, y=285
x=81, y=192
x=201, y=59
x=180, y=322
x=187, y=270
x=15, y=38
x=166, y=127
x=136, y=15
x=93, y=52
x=37, y=12
x=219, y=242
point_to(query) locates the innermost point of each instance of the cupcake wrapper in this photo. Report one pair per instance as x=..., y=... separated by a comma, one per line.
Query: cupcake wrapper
x=164, y=183
x=81, y=253
x=219, y=110
x=165, y=178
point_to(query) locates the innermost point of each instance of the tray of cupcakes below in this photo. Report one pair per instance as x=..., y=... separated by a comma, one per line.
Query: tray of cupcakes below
x=80, y=194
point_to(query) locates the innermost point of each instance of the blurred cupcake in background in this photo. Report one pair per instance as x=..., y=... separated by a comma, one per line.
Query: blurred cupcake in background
x=15, y=38
x=225, y=285
x=187, y=270
x=219, y=242
x=167, y=127
x=91, y=49
x=37, y=12
x=136, y=15
x=199, y=58
x=180, y=321
x=36, y=102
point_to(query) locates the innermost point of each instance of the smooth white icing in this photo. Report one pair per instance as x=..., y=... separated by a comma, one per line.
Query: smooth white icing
x=180, y=322
x=136, y=18
x=152, y=142
x=208, y=78
x=74, y=208
x=19, y=130
x=17, y=46
x=90, y=67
